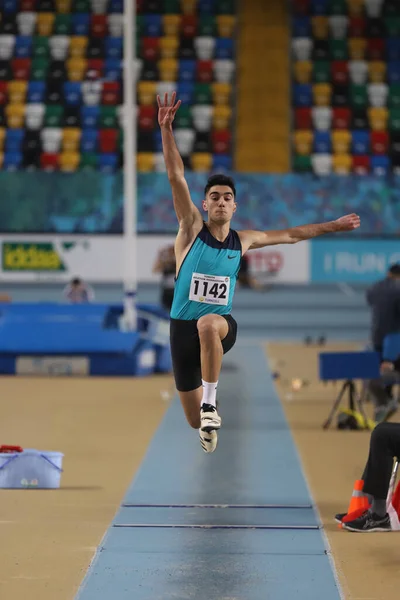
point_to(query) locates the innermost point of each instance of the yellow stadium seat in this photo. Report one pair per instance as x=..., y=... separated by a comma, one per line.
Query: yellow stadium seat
x=147, y=91
x=2, y=137
x=341, y=141
x=303, y=140
x=342, y=163
x=226, y=25
x=221, y=93
x=303, y=71
x=377, y=71
x=169, y=46
x=69, y=161
x=71, y=136
x=378, y=118
x=17, y=91
x=76, y=68
x=78, y=45
x=201, y=161
x=356, y=7
x=45, y=23
x=15, y=115
x=63, y=6
x=168, y=69
x=320, y=27
x=357, y=48
x=322, y=94
x=145, y=162
x=171, y=24
x=189, y=7
x=221, y=117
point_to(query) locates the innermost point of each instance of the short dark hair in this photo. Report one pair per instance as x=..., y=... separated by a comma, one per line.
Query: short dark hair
x=76, y=281
x=395, y=269
x=219, y=179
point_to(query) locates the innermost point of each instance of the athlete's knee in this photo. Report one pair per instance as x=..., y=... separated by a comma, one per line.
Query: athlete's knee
x=207, y=326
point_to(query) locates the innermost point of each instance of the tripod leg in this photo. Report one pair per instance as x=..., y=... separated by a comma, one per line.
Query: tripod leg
x=335, y=405
x=360, y=405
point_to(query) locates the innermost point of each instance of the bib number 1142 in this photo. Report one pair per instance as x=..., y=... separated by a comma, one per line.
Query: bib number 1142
x=209, y=289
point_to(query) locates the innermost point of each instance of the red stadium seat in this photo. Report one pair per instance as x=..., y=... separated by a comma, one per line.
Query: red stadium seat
x=21, y=68
x=150, y=48
x=49, y=161
x=302, y=7
x=379, y=142
x=340, y=72
x=95, y=68
x=28, y=5
x=108, y=140
x=341, y=118
x=98, y=26
x=221, y=141
x=204, y=71
x=189, y=25
x=361, y=164
x=302, y=118
x=357, y=27
x=111, y=92
x=3, y=92
x=376, y=49
x=147, y=117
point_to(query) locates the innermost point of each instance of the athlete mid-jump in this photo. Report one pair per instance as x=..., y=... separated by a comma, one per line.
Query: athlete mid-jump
x=208, y=258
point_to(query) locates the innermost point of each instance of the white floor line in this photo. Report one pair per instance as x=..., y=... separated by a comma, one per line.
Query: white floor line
x=347, y=289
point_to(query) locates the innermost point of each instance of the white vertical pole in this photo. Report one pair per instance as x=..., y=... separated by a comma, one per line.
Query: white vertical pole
x=129, y=319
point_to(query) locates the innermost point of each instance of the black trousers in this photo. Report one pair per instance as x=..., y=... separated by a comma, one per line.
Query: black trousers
x=383, y=448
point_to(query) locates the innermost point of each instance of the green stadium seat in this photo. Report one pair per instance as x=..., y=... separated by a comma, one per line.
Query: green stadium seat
x=40, y=47
x=302, y=163
x=54, y=115
x=338, y=49
x=39, y=69
x=183, y=118
x=62, y=24
x=88, y=160
x=202, y=93
x=322, y=71
x=207, y=26
x=108, y=117
x=358, y=96
x=394, y=95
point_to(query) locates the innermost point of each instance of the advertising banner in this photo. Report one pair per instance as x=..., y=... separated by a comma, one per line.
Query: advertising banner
x=100, y=259
x=353, y=261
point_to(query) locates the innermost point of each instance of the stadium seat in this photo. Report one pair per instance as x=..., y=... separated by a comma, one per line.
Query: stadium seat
x=379, y=142
x=378, y=94
x=221, y=142
x=168, y=46
x=90, y=116
x=377, y=71
x=393, y=72
x=341, y=118
x=361, y=164
x=303, y=118
x=358, y=71
x=108, y=140
x=89, y=140
x=26, y=23
x=185, y=90
x=13, y=140
x=342, y=164
x=303, y=141
x=357, y=27
x=322, y=142
x=322, y=117
x=322, y=93
x=394, y=120
x=12, y=161
x=224, y=70
x=302, y=48
x=145, y=161
x=69, y=161
x=59, y=47
x=34, y=115
x=320, y=27
x=303, y=71
x=15, y=114
x=357, y=48
x=201, y=162
x=302, y=95
x=321, y=164
x=49, y=161
x=17, y=92
x=378, y=118
x=360, y=142
x=359, y=119
x=71, y=137
x=204, y=71
x=341, y=140
x=380, y=165
x=23, y=47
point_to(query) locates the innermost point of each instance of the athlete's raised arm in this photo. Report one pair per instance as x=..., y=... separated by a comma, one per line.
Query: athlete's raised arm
x=187, y=213
x=259, y=239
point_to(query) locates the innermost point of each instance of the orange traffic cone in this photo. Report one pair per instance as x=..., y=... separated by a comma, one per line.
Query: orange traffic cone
x=358, y=503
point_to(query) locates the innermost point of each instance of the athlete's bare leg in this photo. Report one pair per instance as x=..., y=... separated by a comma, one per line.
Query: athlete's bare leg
x=212, y=329
x=191, y=402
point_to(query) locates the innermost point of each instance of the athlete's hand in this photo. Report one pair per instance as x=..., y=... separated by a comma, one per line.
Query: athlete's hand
x=347, y=223
x=167, y=110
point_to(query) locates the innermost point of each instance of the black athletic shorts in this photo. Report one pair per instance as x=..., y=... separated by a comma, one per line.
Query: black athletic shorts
x=185, y=351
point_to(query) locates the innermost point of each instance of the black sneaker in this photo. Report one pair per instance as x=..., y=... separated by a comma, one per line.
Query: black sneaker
x=369, y=522
x=339, y=517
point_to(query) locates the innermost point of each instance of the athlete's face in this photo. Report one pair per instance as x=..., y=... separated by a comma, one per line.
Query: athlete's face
x=220, y=204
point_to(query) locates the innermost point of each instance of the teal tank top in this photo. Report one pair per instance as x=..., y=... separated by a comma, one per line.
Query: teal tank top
x=207, y=277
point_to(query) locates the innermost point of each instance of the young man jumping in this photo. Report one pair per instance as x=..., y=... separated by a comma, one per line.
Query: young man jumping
x=208, y=256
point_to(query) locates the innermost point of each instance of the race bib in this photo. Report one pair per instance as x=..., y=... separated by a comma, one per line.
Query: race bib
x=210, y=289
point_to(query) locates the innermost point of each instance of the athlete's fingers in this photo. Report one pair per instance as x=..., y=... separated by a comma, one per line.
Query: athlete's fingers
x=173, y=98
x=166, y=99
x=158, y=101
x=177, y=105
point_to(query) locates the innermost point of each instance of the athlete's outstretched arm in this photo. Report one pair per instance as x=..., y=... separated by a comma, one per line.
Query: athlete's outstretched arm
x=259, y=239
x=186, y=211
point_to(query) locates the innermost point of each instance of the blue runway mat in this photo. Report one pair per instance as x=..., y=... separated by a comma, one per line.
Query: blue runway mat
x=201, y=552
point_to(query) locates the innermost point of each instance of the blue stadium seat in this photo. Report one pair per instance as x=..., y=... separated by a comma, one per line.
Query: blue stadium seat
x=322, y=142
x=113, y=47
x=10, y=6
x=157, y=140
x=112, y=69
x=224, y=48
x=23, y=46
x=380, y=165
x=36, y=92
x=301, y=27
x=302, y=94
x=186, y=92
x=360, y=141
x=80, y=24
x=222, y=162
x=90, y=116
x=12, y=160
x=393, y=72
x=152, y=26
x=72, y=92
x=89, y=140
x=205, y=7
x=108, y=163
x=393, y=49
x=319, y=7
x=116, y=6
x=14, y=139
x=187, y=70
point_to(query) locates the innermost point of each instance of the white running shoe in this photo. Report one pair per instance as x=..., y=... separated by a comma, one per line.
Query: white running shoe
x=210, y=422
x=208, y=441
